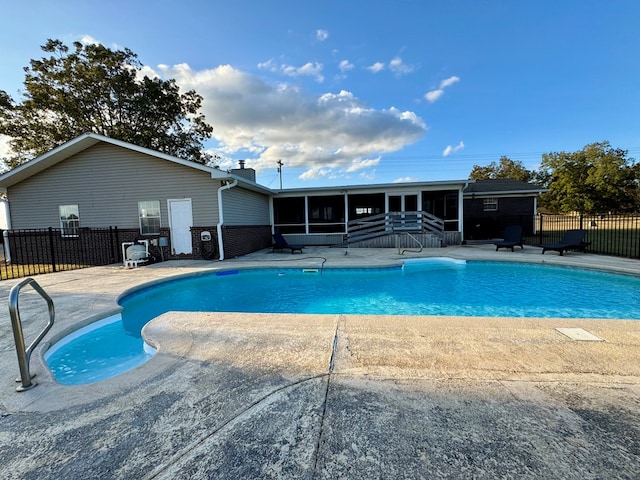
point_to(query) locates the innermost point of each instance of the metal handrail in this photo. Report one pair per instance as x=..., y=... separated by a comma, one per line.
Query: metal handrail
x=24, y=354
x=415, y=240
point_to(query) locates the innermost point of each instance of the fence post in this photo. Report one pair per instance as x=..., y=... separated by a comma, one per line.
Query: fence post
x=117, y=246
x=541, y=228
x=53, y=255
x=112, y=244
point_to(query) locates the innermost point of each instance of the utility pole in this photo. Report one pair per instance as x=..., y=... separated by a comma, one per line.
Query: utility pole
x=280, y=164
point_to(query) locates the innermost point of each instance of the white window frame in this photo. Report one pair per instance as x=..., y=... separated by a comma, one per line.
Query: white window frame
x=144, y=206
x=69, y=226
x=364, y=210
x=490, y=204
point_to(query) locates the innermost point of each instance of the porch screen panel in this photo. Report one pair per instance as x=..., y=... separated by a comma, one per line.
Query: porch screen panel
x=288, y=215
x=326, y=214
x=442, y=204
x=365, y=205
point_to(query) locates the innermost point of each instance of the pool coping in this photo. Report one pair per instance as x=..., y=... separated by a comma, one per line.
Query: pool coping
x=88, y=284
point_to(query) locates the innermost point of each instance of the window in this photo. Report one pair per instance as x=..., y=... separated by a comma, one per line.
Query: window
x=69, y=220
x=490, y=204
x=364, y=211
x=149, y=213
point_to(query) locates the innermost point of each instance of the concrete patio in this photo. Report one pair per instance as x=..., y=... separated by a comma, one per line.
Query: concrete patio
x=255, y=396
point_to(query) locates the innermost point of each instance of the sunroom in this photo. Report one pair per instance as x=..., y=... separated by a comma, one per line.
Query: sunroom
x=390, y=215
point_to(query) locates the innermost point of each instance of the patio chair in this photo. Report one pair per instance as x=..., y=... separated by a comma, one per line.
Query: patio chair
x=512, y=237
x=279, y=243
x=571, y=240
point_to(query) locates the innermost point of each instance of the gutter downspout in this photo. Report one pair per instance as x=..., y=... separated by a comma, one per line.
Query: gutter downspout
x=5, y=228
x=227, y=186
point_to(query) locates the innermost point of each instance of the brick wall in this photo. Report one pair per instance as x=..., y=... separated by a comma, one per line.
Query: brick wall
x=240, y=240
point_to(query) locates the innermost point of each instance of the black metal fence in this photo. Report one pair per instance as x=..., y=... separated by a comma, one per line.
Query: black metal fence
x=35, y=251
x=617, y=235
x=31, y=252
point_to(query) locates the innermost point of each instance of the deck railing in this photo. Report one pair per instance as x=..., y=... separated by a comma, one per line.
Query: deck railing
x=394, y=222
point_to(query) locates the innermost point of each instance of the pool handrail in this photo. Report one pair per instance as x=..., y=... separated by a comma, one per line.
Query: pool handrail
x=24, y=354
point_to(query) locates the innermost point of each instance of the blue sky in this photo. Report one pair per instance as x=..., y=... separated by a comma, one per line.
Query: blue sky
x=371, y=91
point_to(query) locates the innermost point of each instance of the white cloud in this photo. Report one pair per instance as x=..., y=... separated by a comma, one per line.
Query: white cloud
x=345, y=66
x=315, y=172
x=361, y=164
x=309, y=69
x=398, y=67
x=268, y=65
x=449, y=149
x=328, y=134
x=406, y=180
x=89, y=40
x=321, y=35
x=447, y=82
x=368, y=175
x=434, y=95
x=376, y=67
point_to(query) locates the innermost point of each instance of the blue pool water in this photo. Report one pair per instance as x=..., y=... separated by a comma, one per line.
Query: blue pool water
x=421, y=287
x=100, y=350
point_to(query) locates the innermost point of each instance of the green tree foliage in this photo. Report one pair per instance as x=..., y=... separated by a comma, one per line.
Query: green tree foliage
x=506, y=168
x=596, y=179
x=95, y=89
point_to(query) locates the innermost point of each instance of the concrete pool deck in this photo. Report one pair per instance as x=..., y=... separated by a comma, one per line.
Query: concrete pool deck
x=235, y=396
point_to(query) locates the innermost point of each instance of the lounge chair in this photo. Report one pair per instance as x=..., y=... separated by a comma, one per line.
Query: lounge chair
x=571, y=240
x=512, y=237
x=279, y=243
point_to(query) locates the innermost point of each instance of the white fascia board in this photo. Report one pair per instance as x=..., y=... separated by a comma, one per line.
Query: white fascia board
x=248, y=184
x=374, y=188
x=502, y=193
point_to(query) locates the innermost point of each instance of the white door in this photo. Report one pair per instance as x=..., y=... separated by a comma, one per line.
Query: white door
x=180, y=222
x=402, y=203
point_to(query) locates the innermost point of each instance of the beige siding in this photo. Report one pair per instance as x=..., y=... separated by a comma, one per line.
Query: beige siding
x=244, y=207
x=106, y=182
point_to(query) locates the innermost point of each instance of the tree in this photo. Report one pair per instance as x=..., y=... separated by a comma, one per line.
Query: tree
x=95, y=89
x=596, y=179
x=507, y=168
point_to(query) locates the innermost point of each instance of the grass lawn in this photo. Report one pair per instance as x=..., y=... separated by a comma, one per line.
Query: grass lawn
x=21, y=271
x=610, y=235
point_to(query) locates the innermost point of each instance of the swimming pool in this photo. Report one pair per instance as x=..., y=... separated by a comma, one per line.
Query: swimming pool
x=438, y=286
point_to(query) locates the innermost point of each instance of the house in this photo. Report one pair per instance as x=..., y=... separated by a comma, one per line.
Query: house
x=93, y=182
x=491, y=205
x=188, y=209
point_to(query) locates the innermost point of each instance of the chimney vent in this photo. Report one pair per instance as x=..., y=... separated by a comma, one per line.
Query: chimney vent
x=241, y=163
